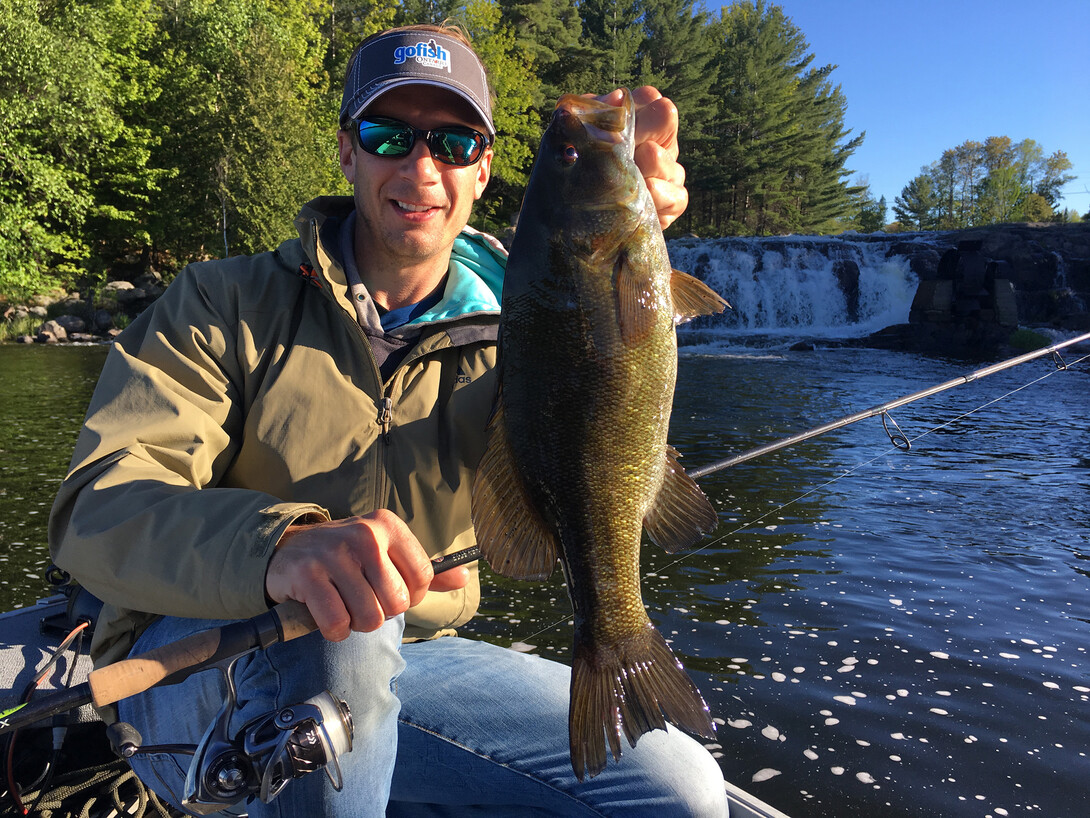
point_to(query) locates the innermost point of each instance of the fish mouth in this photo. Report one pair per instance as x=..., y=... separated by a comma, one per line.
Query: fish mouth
x=602, y=122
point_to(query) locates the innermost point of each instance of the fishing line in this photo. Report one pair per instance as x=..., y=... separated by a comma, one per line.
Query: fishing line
x=1061, y=366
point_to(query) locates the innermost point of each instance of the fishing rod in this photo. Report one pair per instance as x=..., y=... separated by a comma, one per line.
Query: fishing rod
x=177, y=661
x=897, y=438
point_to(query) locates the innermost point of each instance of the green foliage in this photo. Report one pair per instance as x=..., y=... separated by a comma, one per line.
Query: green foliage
x=866, y=214
x=989, y=182
x=1027, y=340
x=917, y=206
x=71, y=164
x=517, y=124
x=20, y=325
x=248, y=129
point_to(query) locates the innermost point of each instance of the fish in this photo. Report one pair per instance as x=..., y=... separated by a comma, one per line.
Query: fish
x=576, y=463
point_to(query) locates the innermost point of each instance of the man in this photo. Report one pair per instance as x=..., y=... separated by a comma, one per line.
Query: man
x=304, y=424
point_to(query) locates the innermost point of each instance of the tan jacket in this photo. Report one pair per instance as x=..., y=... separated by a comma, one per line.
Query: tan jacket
x=248, y=398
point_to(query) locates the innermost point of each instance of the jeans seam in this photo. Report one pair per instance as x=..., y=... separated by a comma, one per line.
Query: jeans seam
x=567, y=795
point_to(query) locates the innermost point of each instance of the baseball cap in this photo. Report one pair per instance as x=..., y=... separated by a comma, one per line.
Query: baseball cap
x=415, y=57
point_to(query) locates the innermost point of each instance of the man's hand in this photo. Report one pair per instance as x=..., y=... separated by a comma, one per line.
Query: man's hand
x=657, y=151
x=356, y=573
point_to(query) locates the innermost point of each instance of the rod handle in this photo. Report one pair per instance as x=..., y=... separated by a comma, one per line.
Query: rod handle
x=139, y=673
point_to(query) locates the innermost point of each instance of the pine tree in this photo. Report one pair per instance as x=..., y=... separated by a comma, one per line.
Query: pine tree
x=612, y=35
x=550, y=34
x=779, y=128
x=917, y=206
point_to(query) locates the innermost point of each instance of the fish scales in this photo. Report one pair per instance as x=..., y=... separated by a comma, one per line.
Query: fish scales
x=577, y=463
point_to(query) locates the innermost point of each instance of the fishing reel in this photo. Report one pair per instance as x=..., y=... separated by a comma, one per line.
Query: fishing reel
x=266, y=754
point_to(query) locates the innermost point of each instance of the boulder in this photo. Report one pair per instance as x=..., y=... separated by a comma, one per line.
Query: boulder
x=51, y=332
x=71, y=323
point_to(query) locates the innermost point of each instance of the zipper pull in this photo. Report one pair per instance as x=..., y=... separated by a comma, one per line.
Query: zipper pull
x=386, y=417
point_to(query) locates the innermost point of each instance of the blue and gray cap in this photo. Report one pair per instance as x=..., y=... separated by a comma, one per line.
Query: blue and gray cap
x=415, y=57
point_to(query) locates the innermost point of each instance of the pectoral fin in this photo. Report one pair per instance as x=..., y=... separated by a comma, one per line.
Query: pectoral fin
x=511, y=534
x=636, y=303
x=692, y=297
x=681, y=515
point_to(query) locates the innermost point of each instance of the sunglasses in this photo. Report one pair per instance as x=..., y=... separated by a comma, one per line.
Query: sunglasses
x=451, y=145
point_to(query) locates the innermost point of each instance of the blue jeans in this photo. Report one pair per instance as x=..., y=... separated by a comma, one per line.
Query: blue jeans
x=450, y=727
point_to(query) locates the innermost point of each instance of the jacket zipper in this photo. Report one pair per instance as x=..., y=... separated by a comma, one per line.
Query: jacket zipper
x=385, y=417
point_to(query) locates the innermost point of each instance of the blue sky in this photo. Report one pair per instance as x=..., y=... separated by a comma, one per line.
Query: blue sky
x=921, y=76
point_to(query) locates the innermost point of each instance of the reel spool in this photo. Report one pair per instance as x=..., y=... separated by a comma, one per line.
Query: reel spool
x=268, y=753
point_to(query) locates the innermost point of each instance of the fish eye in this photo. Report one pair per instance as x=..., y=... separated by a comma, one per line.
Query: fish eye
x=568, y=155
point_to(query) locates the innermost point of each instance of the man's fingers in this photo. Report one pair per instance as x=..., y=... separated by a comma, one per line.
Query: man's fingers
x=406, y=557
x=656, y=120
x=450, y=580
x=656, y=139
x=328, y=611
x=354, y=574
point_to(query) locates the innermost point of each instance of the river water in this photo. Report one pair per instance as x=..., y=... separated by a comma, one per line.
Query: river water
x=877, y=632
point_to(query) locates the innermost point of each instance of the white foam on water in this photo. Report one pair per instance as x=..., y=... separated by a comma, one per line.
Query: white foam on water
x=764, y=775
x=772, y=734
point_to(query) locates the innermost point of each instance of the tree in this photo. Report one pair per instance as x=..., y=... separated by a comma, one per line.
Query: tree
x=987, y=182
x=612, y=33
x=918, y=205
x=550, y=35
x=510, y=72
x=1054, y=178
x=73, y=172
x=866, y=214
x=778, y=130
x=247, y=122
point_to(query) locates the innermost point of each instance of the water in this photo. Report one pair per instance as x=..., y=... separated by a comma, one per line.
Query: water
x=45, y=395
x=877, y=632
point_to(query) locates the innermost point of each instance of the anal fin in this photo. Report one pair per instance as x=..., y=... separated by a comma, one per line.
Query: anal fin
x=510, y=532
x=681, y=514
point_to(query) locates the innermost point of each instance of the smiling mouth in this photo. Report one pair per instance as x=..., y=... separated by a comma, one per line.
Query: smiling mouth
x=412, y=208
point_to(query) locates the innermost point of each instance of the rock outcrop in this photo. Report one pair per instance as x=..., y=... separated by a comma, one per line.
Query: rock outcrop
x=978, y=286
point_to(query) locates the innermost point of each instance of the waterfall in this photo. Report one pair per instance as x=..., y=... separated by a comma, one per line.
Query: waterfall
x=789, y=287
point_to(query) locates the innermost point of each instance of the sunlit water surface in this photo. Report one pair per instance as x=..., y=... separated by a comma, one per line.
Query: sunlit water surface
x=877, y=632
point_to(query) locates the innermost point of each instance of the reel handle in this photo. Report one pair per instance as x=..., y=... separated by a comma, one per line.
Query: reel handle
x=178, y=660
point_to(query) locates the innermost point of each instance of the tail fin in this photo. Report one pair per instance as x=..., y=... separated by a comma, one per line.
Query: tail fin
x=633, y=686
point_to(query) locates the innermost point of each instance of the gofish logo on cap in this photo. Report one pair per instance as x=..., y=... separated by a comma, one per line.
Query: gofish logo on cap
x=429, y=55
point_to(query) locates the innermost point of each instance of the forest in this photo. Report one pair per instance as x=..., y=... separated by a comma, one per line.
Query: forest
x=149, y=133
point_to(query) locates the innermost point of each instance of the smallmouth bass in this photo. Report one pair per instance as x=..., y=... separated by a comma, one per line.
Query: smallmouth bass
x=577, y=463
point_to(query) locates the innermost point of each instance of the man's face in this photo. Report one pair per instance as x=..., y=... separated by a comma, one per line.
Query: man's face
x=411, y=208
